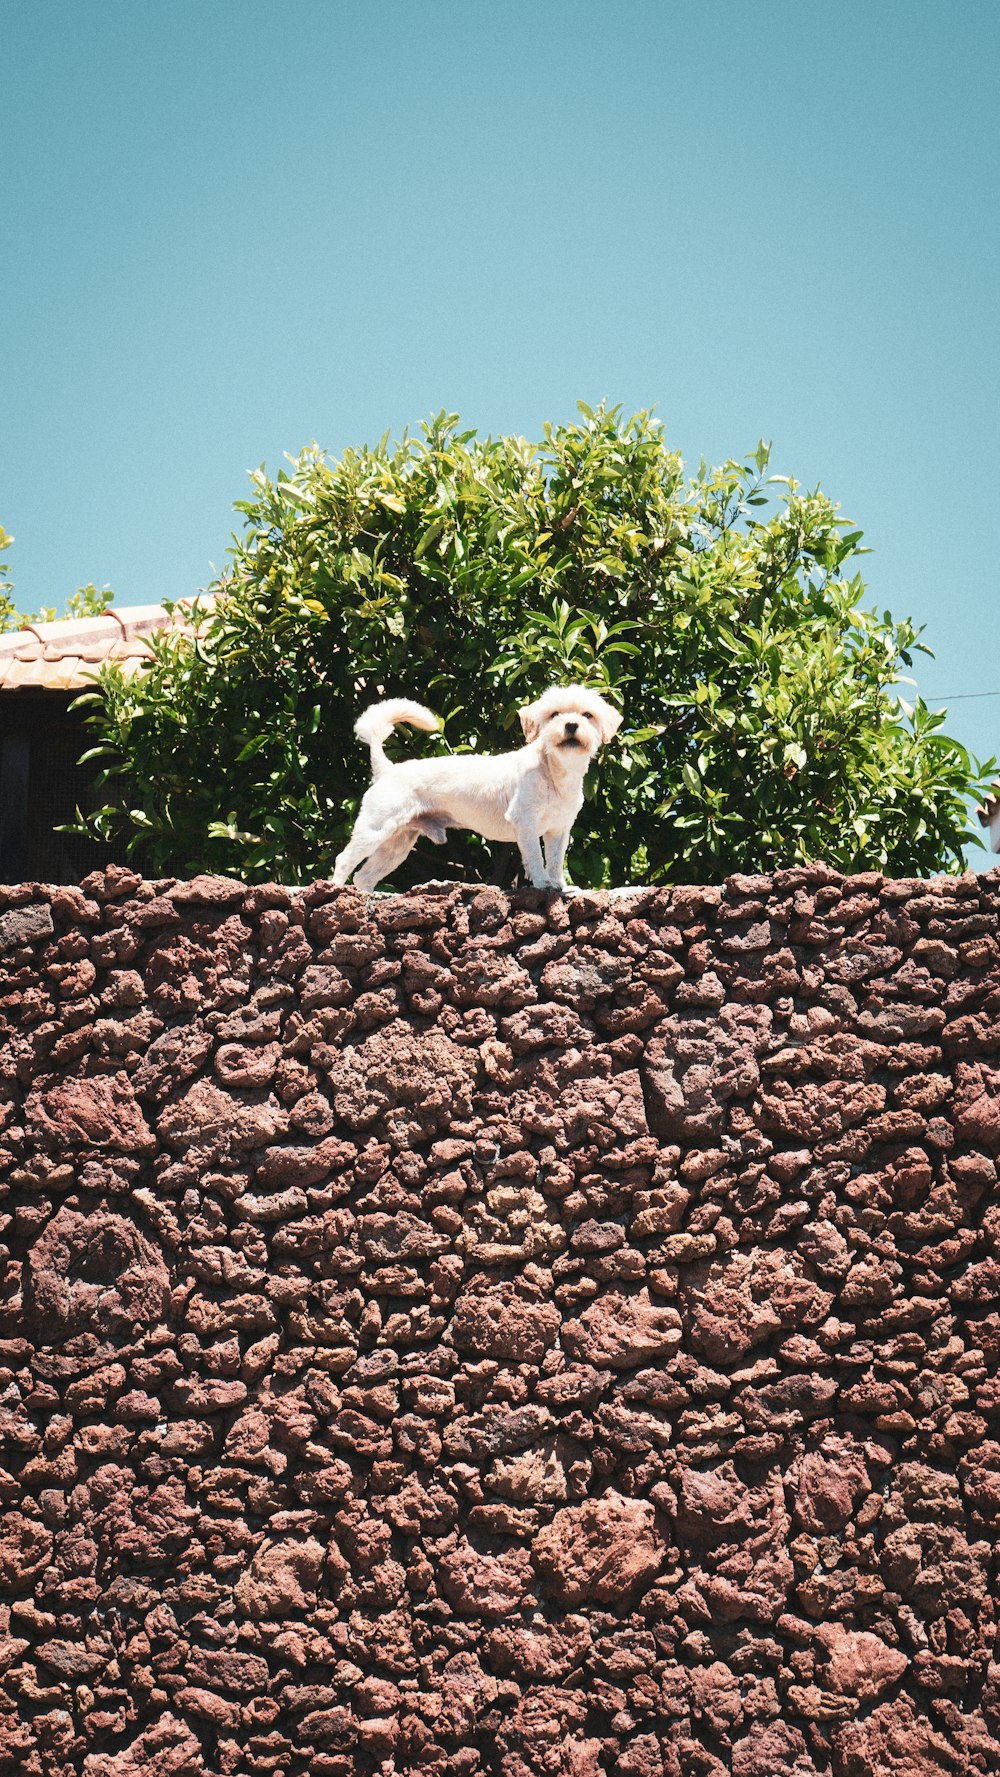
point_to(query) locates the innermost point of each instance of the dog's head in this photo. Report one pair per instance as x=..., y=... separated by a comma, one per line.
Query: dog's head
x=570, y=719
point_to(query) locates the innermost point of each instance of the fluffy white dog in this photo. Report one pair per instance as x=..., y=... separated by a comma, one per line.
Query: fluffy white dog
x=531, y=796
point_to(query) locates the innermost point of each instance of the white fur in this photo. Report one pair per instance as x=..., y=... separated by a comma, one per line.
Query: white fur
x=532, y=796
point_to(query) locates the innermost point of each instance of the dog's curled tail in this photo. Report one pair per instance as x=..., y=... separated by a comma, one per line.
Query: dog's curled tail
x=378, y=722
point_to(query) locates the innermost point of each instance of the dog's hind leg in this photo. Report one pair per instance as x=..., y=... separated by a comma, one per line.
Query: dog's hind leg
x=365, y=839
x=384, y=859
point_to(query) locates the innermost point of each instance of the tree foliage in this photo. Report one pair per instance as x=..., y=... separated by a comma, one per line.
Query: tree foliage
x=86, y=601
x=7, y=610
x=724, y=613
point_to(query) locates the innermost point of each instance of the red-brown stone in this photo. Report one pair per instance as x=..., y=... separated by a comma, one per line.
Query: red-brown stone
x=469, y=1333
x=606, y=1550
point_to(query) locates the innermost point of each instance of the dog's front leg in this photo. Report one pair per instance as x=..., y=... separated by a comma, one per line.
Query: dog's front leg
x=555, y=856
x=530, y=847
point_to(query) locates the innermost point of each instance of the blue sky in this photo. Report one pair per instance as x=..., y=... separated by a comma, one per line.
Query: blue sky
x=230, y=228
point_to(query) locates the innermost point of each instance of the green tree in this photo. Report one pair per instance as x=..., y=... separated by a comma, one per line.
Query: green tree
x=86, y=601
x=8, y=614
x=724, y=613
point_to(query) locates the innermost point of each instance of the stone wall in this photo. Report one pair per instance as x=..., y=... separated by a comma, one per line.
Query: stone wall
x=457, y=1333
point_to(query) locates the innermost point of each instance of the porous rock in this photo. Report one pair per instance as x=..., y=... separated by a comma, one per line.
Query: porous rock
x=603, y=1551
x=474, y=1333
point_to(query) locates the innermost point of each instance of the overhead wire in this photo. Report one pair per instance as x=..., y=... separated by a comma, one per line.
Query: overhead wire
x=956, y=696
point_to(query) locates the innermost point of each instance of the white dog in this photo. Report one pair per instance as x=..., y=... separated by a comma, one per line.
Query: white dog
x=530, y=796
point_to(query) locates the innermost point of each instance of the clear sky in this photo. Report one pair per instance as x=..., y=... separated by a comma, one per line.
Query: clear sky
x=233, y=226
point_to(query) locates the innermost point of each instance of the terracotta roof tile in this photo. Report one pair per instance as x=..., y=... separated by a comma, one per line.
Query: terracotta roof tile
x=140, y=619
x=64, y=674
x=75, y=632
x=66, y=654
x=37, y=674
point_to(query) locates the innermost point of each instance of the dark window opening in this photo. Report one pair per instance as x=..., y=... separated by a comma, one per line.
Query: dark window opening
x=41, y=786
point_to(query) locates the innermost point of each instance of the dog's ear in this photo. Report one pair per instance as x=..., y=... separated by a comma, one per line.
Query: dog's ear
x=609, y=720
x=531, y=721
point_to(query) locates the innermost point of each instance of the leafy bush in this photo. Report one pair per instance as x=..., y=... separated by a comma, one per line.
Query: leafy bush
x=86, y=601
x=9, y=616
x=762, y=728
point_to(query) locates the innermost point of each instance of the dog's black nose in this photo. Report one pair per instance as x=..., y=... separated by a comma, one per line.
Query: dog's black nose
x=571, y=727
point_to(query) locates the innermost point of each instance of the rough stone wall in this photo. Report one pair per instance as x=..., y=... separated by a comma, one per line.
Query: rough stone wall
x=457, y=1333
